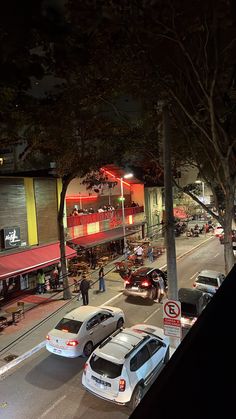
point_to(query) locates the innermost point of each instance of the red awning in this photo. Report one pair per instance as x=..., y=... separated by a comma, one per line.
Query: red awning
x=29, y=260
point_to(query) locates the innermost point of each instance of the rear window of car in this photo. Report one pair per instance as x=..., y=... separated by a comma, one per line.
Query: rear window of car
x=188, y=309
x=68, y=325
x=207, y=281
x=139, y=276
x=104, y=367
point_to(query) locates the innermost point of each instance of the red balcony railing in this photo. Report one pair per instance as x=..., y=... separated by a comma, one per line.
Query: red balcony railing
x=76, y=220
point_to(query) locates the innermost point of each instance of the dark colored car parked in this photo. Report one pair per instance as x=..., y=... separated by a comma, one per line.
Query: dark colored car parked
x=193, y=302
x=140, y=282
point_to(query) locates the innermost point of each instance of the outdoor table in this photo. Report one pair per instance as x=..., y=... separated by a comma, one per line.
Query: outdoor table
x=14, y=310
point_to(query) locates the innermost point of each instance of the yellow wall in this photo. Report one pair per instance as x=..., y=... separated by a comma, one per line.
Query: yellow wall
x=31, y=211
x=59, y=189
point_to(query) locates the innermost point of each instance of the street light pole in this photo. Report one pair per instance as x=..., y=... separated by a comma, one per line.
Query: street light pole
x=123, y=210
x=127, y=176
x=203, y=193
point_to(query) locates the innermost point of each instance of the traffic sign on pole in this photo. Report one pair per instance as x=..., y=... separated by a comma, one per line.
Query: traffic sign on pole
x=172, y=318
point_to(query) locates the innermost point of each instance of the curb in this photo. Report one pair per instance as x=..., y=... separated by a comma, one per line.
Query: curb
x=21, y=358
x=41, y=345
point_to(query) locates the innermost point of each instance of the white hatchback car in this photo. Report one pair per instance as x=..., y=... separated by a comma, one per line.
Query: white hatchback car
x=218, y=230
x=125, y=363
x=209, y=281
x=80, y=330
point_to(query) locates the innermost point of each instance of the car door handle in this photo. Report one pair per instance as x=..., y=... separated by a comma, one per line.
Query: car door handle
x=90, y=333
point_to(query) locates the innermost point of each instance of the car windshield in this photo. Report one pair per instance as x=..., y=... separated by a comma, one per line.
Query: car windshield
x=188, y=309
x=207, y=281
x=106, y=368
x=69, y=326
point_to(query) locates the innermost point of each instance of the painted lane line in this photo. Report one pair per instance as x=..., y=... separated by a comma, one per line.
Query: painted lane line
x=152, y=314
x=217, y=254
x=193, y=276
x=44, y=414
x=111, y=299
x=21, y=358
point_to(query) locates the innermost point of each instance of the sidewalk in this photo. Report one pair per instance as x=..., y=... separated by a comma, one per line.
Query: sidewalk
x=42, y=311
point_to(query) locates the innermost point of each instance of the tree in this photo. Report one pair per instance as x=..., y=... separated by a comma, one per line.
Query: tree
x=183, y=53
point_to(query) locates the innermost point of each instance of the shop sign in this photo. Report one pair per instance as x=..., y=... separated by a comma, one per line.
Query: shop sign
x=11, y=237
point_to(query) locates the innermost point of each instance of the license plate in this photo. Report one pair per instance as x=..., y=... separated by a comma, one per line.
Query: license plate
x=135, y=288
x=101, y=386
x=57, y=351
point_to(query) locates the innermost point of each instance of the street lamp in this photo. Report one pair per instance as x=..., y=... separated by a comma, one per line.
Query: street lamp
x=203, y=190
x=127, y=176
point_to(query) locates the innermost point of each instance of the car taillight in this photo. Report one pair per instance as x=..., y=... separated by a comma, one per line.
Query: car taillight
x=127, y=282
x=72, y=343
x=146, y=283
x=48, y=337
x=122, y=384
x=85, y=368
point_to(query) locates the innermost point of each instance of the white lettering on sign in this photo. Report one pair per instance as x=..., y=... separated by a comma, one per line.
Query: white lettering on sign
x=12, y=237
x=172, y=318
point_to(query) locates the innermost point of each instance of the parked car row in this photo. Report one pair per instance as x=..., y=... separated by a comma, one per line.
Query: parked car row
x=126, y=361
x=123, y=362
x=194, y=300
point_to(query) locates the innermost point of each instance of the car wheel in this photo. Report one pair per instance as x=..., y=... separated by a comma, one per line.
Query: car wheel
x=120, y=323
x=88, y=349
x=136, y=397
x=167, y=356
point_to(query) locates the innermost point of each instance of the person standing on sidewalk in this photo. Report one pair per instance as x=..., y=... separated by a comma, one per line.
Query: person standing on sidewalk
x=84, y=289
x=41, y=281
x=101, y=280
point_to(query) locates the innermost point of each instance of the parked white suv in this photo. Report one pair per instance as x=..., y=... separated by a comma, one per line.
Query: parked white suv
x=125, y=363
x=209, y=281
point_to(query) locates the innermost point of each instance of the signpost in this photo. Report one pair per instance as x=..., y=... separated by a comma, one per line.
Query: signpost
x=172, y=318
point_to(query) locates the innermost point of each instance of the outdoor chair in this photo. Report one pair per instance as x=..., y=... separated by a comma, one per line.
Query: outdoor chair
x=21, y=306
x=3, y=321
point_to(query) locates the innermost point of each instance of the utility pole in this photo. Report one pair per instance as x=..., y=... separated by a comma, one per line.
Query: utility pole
x=169, y=216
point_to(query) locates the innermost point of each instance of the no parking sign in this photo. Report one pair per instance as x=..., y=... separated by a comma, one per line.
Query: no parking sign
x=172, y=318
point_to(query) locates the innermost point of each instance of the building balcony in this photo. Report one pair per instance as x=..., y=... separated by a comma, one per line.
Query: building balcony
x=76, y=220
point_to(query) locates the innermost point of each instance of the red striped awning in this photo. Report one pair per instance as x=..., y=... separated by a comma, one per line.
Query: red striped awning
x=32, y=259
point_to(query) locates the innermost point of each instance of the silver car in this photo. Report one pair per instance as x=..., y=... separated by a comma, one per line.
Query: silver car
x=80, y=330
x=209, y=281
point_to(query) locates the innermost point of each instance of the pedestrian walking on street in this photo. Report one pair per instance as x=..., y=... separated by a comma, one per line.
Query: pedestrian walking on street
x=84, y=289
x=101, y=279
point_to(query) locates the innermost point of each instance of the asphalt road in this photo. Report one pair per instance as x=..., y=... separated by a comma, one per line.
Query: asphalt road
x=47, y=386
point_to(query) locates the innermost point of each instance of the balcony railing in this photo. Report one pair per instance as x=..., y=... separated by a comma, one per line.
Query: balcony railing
x=76, y=220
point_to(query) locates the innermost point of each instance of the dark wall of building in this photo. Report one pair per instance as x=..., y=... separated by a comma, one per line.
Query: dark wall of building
x=46, y=209
x=13, y=205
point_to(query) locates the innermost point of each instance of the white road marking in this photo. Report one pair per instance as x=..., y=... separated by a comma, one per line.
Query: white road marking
x=152, y=314
x=193, y=275
x=21, y=358
x=111, y=299
x=52, y=407
x=217, y=254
